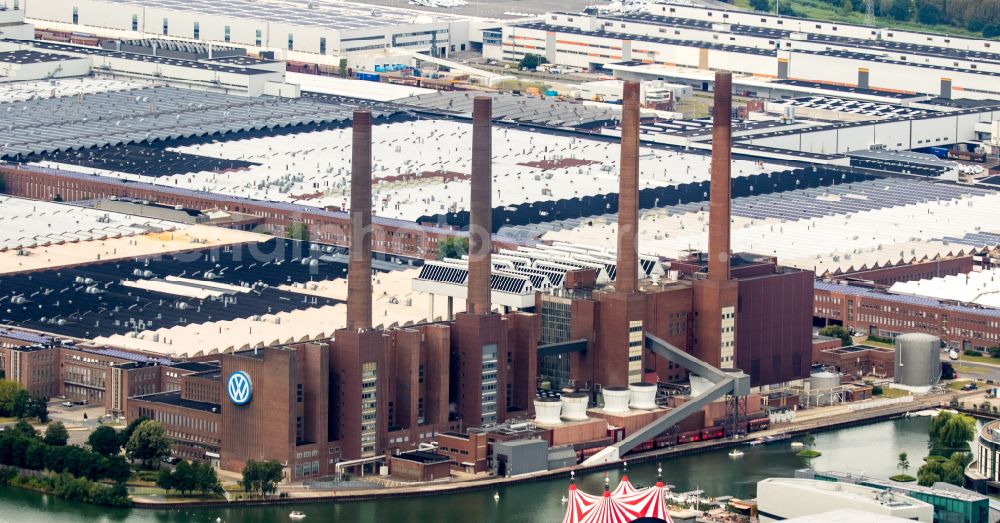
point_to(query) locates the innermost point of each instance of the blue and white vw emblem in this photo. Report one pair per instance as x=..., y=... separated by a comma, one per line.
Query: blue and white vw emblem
x=239, y=388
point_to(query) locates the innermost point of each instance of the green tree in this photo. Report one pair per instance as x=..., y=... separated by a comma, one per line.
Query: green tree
x=452, y=247
x=56, y=434
x=8, y=389
x=532, y=61
x=117, y=469
x=760, y=5
x=34, y=457
x=126, y=433
x=183, y=477
x=901, y=10
x=40, y=409
x=148, y=444
x=55, y=458
x=298, y=231
x=22, y=407
x=929, y=14
x=991, y=30
x=23, y=428
x=904, y=463
x=950, y=432
x=262, y=476
x=951, y=470
x=206, y=480
x=105, y=441
x=342, y=68
x=838, y=331
x=165, y=480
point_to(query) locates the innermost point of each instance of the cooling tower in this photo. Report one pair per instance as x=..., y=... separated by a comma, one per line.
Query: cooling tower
x=616, y=399
x=547, y=411
x=574, y=406
x=642, y=396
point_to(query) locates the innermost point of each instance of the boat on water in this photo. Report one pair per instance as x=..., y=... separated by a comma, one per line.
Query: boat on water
x=797, y=444
x=296, y=515
x=735, y=453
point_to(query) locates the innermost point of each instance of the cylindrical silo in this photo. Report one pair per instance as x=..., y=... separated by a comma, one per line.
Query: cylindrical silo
x=548, y=411
x=642, y=396
x=574, y=406
x=821, y=387
x=918, y=360
x=615, y=399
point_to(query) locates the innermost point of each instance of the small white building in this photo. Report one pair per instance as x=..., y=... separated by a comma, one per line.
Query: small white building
x=786, y=498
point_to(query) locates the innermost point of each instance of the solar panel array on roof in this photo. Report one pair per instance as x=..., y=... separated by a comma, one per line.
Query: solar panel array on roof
x=25, y=336
x=859, y=107
x=509, y=107
x=93, y=300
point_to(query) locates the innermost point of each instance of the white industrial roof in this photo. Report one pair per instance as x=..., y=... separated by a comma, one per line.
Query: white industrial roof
x=327, y=14
x=32, y=223
x=22, y=91
x=314, y=168
x=378, y=91
x=394, y=305
x=847, y=240
x=981, y=288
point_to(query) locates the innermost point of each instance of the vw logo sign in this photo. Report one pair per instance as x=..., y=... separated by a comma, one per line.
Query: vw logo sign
x=239, y=388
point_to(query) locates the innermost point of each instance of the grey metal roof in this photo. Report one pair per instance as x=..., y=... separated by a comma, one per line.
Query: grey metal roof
x=337, y=16
x=523, y=109
x=143, y=115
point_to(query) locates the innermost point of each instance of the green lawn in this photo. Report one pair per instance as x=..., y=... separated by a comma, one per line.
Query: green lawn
x=979, y=359
x=888, y=392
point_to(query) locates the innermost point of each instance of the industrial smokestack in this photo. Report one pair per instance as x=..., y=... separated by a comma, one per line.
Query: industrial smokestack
x=359, y=270
x=627, y=278
x=481, y=210
x=718, y=208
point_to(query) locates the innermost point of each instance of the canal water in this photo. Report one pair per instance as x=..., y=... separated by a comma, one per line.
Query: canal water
x=870, y=450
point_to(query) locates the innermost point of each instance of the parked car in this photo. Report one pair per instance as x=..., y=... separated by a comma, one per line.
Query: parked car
x=67, y=404
x=170, y=460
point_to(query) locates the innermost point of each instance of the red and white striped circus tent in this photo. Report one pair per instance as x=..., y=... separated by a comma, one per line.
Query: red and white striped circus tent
x=624, y=505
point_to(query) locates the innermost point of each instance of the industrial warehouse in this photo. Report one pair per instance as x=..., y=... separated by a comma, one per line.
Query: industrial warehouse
x=254, y=225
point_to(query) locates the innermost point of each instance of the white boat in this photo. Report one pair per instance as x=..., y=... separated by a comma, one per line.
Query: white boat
x=735, y=453
x=797, y=444
x=496, y=496
x=296, y=515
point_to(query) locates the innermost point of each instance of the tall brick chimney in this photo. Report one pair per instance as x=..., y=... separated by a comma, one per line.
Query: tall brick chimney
x=481, y=208
x=718, y=208
x=359, y=270
x=627, y=278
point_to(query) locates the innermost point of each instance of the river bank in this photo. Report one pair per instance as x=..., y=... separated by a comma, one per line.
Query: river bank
x=816, y=422
x=870, y=449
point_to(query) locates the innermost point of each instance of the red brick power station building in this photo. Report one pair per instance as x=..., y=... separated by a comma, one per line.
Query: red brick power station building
x=318, y=406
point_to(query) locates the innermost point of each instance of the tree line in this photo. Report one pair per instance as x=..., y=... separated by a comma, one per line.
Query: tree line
x=76, y=470
x=976, y=16
x=189, y=477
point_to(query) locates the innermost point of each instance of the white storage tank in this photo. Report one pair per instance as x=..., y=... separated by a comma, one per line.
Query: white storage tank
x=642, y=396
x=824, y=380
x=918, y=360
x=548, y=411
x=574, y=406
x=616, y=399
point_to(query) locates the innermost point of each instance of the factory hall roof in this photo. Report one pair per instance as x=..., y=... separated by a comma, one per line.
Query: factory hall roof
x=341, y=16
x=156, y=113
